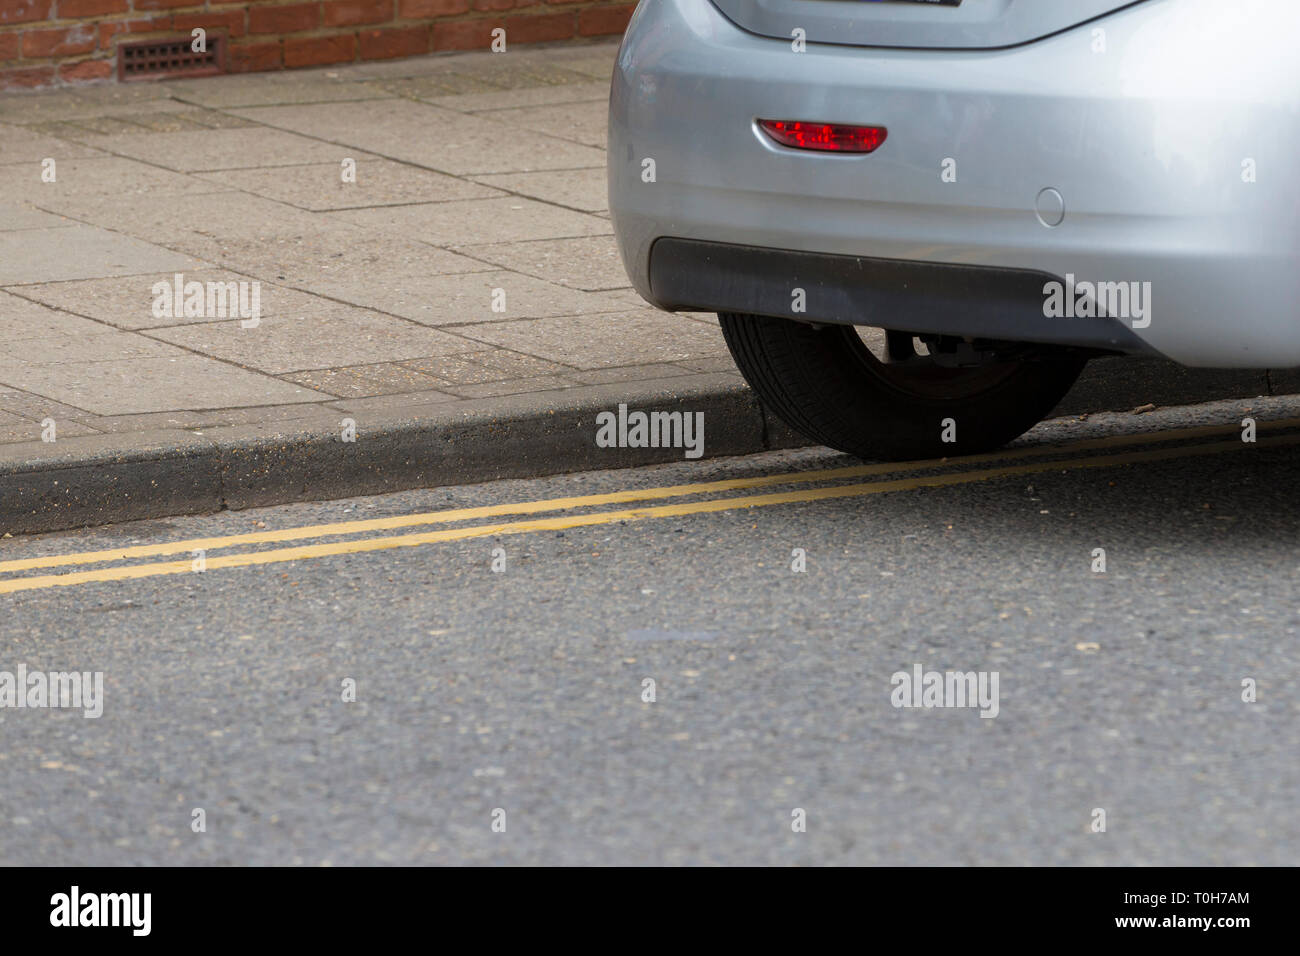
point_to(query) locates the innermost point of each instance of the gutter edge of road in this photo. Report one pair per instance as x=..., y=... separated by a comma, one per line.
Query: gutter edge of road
x=111, y=478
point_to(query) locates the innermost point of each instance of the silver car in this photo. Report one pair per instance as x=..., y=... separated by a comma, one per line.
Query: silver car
x=918, y=219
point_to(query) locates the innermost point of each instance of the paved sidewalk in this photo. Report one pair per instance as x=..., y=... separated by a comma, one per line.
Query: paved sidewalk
x=461, y=302
x=474, y=172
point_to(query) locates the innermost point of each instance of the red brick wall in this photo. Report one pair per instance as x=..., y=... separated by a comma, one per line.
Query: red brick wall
x=58, y=42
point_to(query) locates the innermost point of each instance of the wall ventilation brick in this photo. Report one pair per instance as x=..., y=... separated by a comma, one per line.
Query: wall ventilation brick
x=156, y=59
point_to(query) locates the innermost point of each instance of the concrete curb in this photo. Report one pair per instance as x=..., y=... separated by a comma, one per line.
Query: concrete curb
x=104, y=479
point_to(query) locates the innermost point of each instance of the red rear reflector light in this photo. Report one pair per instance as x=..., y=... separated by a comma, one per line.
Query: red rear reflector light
x=827, y=137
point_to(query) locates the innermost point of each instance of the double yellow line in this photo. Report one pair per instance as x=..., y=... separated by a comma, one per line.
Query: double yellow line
x=590, y=518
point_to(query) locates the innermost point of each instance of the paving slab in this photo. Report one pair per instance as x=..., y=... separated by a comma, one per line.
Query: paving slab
x=438, y=63
x=266, y=239
x=126, y=302
x=22, y=430
x=190, y=118
x=486, y=365
x=48, y=103
x=208, y=149
x=293, y=342
x=376, y=182
x=91, y=128
x=590, y=263
x=429, y=136
x=597, y=66
x=586, y=190
x=506, y=219
x=639, y=373
x=99, y=176
x=79, y=252
x=15, y=216
x=579, y=92
x=39, y=407
x=177, y=117
x=83, y=181
x=158, y=121
x=403, y=404
x=353, y=261
x=19, y=145
x=265, y=89
x=155, y=384
x=50, y=107
x=581, y=122
x=425, y=88
x=196, y=420
x=366, y=381
x=80, y=349
x=468, y=298
x=490, y=72
x=610, y=339
x=115, y=96
x=514, y=386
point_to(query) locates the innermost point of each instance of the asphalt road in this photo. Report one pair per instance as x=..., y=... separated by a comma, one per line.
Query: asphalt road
x=522, y=690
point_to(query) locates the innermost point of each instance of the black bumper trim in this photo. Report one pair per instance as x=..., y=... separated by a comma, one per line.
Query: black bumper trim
x=930, y=297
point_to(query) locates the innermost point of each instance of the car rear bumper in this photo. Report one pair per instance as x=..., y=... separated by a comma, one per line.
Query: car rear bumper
x=1146, y=141
x=933, y=297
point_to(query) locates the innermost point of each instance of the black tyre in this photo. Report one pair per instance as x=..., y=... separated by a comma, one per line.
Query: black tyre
x=825, y=382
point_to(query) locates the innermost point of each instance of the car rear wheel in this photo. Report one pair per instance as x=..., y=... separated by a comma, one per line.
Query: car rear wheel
x=908, y=397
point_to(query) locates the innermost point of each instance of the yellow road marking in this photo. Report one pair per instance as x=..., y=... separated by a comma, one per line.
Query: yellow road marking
x=631, y=514
x=617, y=497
